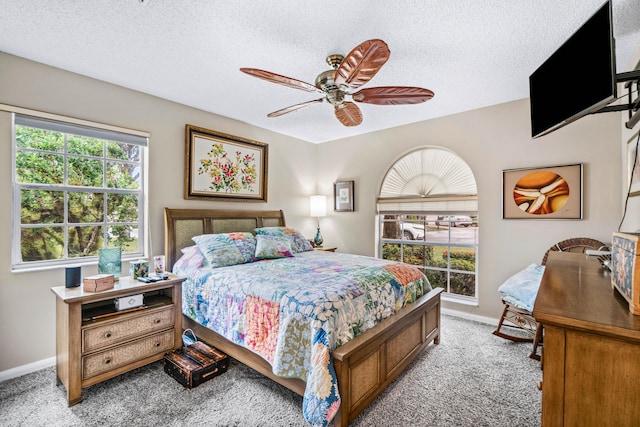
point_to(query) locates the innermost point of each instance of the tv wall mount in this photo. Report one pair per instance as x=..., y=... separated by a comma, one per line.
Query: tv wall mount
x=630, y=79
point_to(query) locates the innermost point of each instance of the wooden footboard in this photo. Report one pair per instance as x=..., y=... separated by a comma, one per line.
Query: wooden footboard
x=365, y=365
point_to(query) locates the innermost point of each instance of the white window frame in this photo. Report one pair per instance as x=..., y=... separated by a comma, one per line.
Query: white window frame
x=78, y=127
x=454, y=297
x=430, y=181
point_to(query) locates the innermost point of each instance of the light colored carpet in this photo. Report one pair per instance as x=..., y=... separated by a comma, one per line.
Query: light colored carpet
x=472, y=378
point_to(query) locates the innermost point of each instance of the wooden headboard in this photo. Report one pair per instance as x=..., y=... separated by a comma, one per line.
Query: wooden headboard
x=180, y=225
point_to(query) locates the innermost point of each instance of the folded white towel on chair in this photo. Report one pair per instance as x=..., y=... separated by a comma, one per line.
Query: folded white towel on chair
x=521, y=289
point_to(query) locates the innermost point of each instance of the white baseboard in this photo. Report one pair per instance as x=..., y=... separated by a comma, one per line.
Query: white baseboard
x=464, y=315
x=26, y=369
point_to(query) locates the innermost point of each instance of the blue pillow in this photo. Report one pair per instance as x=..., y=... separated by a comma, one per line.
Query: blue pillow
x=299, y=243
x=522, y=288
x=225, y=249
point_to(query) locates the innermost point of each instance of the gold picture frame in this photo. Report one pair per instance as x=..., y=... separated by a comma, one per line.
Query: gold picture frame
x=343, y=196
x=224, y=167
x=553, y=192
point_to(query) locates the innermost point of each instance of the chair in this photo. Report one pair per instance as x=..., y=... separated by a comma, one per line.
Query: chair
x=515, y=313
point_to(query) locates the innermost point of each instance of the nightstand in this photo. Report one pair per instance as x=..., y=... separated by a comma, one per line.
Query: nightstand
x=325, y=249
x=95, y=342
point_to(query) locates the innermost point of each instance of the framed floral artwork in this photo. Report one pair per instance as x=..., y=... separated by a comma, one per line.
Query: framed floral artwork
x=224, y=167
x=553, y=192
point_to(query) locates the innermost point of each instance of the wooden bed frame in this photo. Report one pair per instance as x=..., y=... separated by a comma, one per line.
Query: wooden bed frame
x=364, y=366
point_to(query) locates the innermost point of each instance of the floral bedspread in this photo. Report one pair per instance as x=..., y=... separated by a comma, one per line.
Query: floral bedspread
x=294, y=311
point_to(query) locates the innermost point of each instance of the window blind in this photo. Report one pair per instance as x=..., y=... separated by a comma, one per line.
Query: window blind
x=444, y=205
x=91, y=132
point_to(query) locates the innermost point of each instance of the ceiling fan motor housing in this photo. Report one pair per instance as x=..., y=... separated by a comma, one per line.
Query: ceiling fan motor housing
x=326, y=82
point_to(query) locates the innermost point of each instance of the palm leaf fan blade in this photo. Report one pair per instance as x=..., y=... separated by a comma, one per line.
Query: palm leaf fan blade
x=294, y=108
x=280, y=79
x=349, y=114
x=393, y=95
x=362, y=63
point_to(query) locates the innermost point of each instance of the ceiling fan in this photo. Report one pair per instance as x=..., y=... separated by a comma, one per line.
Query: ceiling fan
x=346, y=76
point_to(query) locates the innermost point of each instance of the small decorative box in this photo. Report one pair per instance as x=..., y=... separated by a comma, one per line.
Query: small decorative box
x=139, y=268
x=625, y=268
x=97, y=283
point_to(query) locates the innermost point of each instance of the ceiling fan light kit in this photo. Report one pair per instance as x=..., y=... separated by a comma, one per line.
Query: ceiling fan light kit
x=346, y=75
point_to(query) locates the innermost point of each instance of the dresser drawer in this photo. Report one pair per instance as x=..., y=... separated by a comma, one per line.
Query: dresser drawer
x=116, y=357
x=94, y=338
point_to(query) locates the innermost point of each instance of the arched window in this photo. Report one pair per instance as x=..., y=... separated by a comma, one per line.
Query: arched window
x=427, y=210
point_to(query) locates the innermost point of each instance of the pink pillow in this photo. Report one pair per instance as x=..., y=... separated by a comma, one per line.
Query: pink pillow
x=191, y=258
x=273, y=247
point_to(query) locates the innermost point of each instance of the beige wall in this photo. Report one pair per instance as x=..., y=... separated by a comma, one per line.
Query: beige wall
x=489, y=140
x=27, y=306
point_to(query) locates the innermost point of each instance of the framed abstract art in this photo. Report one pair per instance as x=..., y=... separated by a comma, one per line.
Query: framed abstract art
x=553, y=192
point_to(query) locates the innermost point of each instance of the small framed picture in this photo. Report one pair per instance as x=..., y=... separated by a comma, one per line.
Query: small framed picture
x=343, y=196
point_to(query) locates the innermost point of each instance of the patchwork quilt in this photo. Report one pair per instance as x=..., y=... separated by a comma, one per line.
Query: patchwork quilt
x=294, y=311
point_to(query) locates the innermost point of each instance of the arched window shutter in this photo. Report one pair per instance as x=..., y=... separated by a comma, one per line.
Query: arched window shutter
x=431, y=179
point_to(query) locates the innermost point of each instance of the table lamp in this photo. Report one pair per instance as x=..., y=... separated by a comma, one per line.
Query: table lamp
x=318, y=208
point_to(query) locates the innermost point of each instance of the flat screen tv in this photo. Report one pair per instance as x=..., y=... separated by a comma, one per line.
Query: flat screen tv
x=577, y=79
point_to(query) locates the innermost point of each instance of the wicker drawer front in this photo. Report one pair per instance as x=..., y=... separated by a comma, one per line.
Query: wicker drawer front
x=116, y=357
x=102, y=336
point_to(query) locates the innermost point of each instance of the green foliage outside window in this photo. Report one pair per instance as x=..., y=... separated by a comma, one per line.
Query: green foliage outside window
x=446, y=266
x=63, y=194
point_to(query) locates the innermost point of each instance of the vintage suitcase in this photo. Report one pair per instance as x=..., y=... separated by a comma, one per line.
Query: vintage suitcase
x=625, y=268
x=195, y=364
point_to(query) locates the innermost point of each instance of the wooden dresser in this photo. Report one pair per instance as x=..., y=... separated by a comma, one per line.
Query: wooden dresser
x=95, y=342
x=591, y=352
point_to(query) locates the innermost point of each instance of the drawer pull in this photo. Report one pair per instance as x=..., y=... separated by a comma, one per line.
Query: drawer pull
x=107, y=361
x=107, y=335
x=157, y=344
x=157, y=321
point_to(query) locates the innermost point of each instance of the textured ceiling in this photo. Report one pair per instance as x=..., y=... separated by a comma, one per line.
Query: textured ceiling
x=470, y=53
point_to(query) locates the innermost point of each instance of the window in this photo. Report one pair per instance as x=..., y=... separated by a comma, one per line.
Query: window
x=76, y=189
x=427, y=212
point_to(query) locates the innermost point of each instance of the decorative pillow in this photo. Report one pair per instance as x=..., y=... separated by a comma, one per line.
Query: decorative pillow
x=225, y=249
x=298, y=242
x=191, y=258
x=523, y=286
x=273, y=247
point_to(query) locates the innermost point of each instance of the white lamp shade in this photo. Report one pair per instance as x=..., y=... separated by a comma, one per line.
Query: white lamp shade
x=318, y=206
